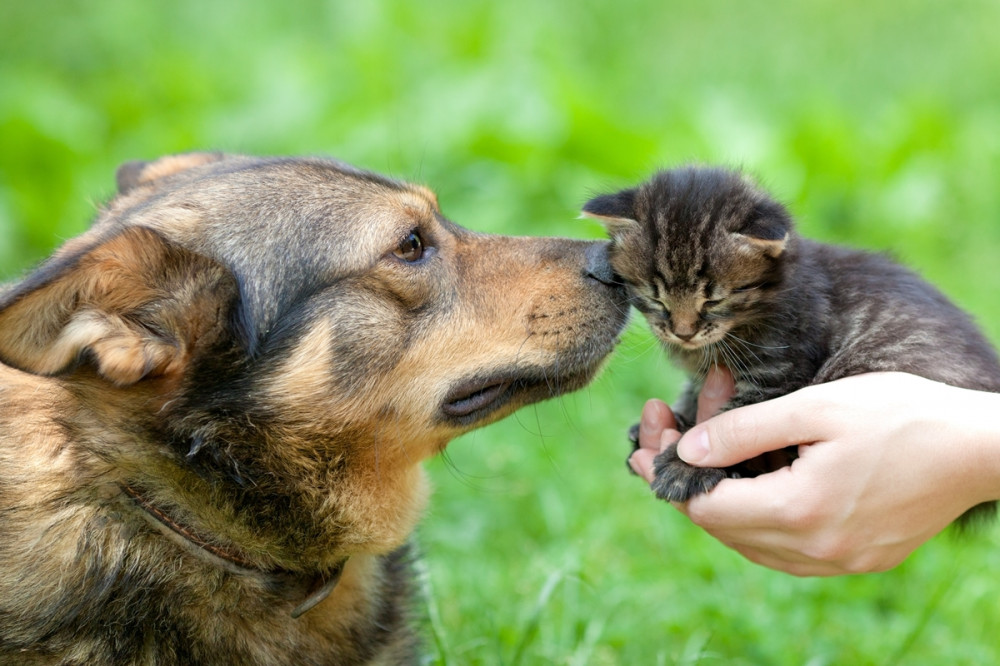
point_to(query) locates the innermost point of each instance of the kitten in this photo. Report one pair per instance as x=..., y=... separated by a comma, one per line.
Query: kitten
x=718, y=270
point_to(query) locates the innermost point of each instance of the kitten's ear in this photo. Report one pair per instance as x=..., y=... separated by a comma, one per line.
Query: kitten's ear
x=767, y=229
x=615, y=211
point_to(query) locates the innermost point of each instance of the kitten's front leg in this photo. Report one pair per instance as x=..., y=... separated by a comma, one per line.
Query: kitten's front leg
x=677, y=481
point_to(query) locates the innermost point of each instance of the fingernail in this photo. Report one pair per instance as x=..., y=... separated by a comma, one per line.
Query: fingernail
x=693, y=447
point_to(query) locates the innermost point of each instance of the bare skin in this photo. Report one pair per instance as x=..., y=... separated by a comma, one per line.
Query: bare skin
x=886, y=461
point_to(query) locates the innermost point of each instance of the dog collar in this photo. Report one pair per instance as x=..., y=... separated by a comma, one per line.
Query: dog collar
x=319, y=587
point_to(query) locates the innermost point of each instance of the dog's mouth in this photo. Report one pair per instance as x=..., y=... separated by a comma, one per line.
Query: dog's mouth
x=476, y=395
x=485, y=398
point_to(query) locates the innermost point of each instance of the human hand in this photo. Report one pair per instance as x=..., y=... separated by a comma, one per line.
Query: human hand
x=658, y=428
x=886, y=461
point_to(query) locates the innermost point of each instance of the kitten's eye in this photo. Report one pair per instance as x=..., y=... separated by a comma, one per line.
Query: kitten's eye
x=411, y=249
x=652, y=308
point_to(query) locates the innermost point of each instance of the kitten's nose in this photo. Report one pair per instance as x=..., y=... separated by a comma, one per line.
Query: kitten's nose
x=686, y=337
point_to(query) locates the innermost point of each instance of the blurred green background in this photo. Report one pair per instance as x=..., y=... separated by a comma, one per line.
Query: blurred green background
x=877, y=122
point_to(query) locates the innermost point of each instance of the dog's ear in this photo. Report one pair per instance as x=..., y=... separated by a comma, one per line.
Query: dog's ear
x=133, y=174
x=133, y=306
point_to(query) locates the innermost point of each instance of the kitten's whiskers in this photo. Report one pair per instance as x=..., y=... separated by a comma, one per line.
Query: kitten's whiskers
x=740, y=366
x=745, y=352
x=747, y=342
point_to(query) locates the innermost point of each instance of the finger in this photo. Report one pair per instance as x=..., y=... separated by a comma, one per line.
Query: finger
x=759, y=543
x=668, y=438
x=656, y=417
x=767, y=548
x=718, y=388
x=737, y=505
x=741, y=434
x=641, y=462
x=790, y=563
x=776, y=549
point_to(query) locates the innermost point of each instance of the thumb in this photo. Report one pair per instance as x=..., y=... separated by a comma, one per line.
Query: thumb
x=745, y=432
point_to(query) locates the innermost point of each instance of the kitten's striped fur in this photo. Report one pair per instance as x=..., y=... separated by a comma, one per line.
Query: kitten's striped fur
x=717, y=268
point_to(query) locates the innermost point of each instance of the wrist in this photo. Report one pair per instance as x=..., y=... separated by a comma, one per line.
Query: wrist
x=979, y=435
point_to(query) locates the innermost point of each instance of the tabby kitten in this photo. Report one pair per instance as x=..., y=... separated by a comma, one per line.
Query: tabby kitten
x=718, y=270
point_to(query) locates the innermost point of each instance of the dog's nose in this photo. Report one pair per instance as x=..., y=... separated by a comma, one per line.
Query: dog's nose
x=597, y=265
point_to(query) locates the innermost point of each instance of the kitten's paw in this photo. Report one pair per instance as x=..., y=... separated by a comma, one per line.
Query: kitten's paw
x=677, y=481
x=633, y=438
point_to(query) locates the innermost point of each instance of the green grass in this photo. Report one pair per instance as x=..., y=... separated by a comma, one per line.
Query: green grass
x=878, y=122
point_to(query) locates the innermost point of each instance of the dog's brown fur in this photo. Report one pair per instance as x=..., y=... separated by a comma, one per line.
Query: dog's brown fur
x=222, y=391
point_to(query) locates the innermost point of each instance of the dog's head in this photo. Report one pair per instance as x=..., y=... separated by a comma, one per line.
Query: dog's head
x=278, y=342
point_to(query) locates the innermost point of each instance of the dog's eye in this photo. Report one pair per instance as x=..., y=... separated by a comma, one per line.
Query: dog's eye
x=412, y=248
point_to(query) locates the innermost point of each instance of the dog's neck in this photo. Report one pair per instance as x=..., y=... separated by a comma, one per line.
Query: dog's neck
x=318, y=586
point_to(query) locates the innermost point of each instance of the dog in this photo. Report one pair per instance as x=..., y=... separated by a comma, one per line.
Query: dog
x=214, y=405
